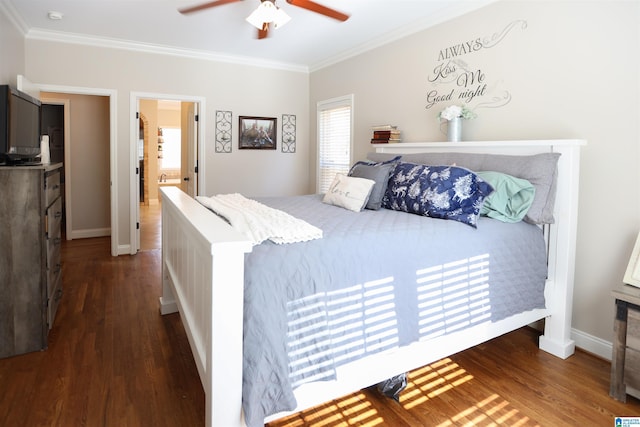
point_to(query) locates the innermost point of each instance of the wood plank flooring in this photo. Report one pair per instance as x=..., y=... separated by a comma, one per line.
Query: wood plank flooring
x=150, y=227
x=110, y=361
x=113, y=360
x=507, y=381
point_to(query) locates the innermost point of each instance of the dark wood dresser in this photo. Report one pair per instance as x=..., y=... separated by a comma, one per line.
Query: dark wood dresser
x=30, y=265
x=625, y=361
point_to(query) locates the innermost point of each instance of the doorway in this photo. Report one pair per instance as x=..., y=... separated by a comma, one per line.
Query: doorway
x=111, y=96
x=167, y=143
x=77, y=127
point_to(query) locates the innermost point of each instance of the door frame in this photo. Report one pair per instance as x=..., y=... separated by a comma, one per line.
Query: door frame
x=134, y=108
x=112, y=94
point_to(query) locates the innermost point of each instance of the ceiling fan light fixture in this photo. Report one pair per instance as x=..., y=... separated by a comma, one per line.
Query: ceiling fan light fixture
x=267, y=12
x=281, y=18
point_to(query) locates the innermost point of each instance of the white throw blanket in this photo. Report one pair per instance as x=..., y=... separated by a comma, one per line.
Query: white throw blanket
x=259, y=222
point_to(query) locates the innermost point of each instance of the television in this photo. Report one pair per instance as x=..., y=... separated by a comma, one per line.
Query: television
x=19, y=126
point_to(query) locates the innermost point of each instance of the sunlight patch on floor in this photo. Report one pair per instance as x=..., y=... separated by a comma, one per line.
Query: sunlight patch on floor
x=354, y=410
x=424, y=384
x=431, y=381
x=492, y=411
x=436, y=379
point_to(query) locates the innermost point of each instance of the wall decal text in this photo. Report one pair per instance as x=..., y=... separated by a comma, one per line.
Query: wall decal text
x=455, y=81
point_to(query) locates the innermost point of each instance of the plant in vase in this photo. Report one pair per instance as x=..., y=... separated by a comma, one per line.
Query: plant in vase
x=454, y=114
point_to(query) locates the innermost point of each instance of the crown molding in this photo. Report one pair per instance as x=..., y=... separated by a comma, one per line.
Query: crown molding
x=454, y=10
x=8, y=10
x=80, y=39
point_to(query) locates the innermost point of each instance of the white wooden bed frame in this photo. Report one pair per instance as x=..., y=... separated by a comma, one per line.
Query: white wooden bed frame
x=202, y=278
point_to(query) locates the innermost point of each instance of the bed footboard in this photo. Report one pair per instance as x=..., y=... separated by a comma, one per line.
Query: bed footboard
x=203, y=279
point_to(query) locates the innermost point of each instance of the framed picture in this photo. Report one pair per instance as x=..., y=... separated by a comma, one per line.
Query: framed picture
x=257, y=133
x=632, y=275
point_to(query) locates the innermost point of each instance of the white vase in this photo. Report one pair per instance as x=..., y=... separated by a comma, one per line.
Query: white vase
x=454, y=129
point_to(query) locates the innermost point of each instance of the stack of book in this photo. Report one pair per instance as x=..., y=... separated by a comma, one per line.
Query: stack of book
x=385, y=134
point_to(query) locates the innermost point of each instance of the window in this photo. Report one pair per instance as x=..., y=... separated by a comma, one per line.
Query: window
x=171, y=148
x=335, y=118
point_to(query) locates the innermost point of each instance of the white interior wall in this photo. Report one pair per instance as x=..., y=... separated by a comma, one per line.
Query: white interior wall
x=228, y=87
x=572, y=72
x=12, y=50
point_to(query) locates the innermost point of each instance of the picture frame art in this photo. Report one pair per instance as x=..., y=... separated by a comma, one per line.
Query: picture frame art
x=223, y=131
x=257, y=133
x=288, y=133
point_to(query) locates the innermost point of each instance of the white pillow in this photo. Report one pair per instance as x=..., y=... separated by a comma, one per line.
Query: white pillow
x=349, y=192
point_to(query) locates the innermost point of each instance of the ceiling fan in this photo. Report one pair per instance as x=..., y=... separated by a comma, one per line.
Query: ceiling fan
x=268, y=13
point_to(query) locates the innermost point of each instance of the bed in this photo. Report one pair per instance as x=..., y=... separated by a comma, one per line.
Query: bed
x=208, y=269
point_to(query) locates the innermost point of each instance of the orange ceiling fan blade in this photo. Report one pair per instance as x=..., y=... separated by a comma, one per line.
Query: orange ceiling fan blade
x=206, y=6
x=264, y=31
x=318, y=8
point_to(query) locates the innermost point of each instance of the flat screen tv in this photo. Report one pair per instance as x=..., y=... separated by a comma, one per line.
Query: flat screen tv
x=19, y=126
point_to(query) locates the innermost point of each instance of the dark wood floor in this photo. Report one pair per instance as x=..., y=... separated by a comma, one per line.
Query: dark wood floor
x=114, y=361
x=110, y=361
x=506, y=382
x=150, y=227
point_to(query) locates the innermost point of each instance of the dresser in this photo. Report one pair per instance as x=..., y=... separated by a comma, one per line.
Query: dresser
x=30, y=265
x=625, y=361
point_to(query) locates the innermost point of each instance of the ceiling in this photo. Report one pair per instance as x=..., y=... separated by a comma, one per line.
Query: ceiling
x=309, y=41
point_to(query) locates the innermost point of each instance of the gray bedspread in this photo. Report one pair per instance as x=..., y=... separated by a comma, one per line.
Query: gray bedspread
x=377, y=280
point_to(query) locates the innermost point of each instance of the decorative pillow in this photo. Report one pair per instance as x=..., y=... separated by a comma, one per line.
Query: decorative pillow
x=378, y=172
x=511, y=199
x=447, y=192
x=539, y=169
x=349, y=192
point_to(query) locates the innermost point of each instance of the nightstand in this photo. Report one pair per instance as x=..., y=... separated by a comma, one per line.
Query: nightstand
x=625, y=363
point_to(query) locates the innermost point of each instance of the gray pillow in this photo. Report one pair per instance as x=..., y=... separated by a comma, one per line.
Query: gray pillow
x=378, y=172
x=539, y=169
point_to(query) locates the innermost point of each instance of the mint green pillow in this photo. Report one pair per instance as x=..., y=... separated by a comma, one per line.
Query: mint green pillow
x=511, y=199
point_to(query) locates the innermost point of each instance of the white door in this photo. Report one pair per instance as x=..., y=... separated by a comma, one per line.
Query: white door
x=139, y=183
x=189, y=157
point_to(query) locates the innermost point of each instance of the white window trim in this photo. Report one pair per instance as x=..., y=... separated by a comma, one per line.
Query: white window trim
x=341, y=101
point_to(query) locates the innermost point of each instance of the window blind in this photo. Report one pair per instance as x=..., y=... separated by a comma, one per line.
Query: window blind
x=334, y=140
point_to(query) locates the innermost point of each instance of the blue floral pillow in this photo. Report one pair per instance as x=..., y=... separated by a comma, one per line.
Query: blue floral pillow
x=447, y=192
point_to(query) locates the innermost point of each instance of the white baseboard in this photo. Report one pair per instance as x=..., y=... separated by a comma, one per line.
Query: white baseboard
x=124, y=250
x=91, y=232
x=592, y=344
x=167, y=307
